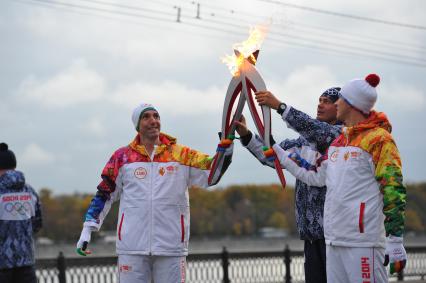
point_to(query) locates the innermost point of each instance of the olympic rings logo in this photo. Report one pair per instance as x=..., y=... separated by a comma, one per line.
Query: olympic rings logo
x=18, y=208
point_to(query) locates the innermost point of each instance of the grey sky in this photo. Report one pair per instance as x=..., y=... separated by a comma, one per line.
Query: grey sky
x=70, y=76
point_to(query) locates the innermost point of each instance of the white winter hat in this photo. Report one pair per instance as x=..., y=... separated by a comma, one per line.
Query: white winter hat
x=361, y=93
x=137, y=113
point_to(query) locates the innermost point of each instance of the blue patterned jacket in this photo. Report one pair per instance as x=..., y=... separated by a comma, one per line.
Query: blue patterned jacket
x=309, y=200
x=20, y=218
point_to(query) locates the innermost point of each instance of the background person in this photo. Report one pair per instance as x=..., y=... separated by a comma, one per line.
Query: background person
x=20, y=219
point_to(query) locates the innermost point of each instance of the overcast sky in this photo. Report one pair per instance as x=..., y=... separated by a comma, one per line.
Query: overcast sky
x=72, y=72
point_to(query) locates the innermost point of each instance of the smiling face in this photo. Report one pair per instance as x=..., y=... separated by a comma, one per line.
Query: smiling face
x=150, y=125
x=326, y=110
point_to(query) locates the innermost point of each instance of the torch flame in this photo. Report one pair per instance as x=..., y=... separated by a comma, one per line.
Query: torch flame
x=245, y=50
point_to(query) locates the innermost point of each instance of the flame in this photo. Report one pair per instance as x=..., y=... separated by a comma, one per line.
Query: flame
x=233, y=62
x=246, y=49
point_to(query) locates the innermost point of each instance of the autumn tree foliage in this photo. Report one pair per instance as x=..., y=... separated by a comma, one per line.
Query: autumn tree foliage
x=239, y=211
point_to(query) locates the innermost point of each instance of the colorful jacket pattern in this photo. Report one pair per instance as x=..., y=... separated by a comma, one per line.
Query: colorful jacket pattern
x=154, y=203
x=374, y=136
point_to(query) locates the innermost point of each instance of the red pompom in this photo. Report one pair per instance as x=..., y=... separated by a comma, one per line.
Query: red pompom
x=373, y=79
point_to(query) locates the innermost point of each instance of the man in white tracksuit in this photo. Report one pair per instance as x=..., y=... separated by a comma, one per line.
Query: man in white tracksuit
x=364, y=207
x=150, y=177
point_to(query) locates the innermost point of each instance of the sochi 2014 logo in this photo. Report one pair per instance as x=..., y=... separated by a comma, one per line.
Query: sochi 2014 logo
x=140, y=173
x=334, y=155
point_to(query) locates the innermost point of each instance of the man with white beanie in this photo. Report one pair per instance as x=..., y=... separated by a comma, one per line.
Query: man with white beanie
x=150, y=177
x=364, y=209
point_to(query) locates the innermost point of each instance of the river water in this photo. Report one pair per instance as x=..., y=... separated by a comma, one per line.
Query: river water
x=101, y=248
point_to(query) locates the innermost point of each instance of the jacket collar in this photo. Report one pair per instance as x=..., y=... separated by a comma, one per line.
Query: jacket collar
x=374, y=120
x=165, y=141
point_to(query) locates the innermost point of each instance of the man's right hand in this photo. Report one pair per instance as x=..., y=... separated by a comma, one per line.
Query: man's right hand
x=84, y=241
x=268, y=99
x=241, y=128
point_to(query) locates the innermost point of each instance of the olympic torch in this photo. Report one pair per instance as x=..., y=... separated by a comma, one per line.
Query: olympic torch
x=245, y=82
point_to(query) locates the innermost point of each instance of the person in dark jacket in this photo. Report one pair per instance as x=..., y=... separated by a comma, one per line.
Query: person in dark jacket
x=309, y=200
x=20, y=219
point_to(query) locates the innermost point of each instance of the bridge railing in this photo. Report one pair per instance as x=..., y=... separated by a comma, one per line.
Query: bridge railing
x=281, y=266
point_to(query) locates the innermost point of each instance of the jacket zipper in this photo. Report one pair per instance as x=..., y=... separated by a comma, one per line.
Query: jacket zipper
x=182, y=226
x=345, y=134
x=361, y=217
x=119, y=227
x=151, y=216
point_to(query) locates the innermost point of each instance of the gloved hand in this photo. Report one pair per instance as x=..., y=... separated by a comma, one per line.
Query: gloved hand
x=395, y=254
x=84, y=240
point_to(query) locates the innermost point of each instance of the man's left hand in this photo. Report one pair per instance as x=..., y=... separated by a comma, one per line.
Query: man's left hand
x=395, y=254
x=241, y=126
x=267, y=98
x=84, y=241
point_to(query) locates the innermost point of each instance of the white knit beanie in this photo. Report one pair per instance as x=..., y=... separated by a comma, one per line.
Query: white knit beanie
x=361, y=93
x=137, y=113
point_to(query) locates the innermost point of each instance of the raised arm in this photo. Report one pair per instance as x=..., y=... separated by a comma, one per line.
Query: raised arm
x=314, y=131
x=300, y=165
x=257, y=145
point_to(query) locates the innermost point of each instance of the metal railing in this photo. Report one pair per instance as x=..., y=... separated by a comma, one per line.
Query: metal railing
x=257, y=267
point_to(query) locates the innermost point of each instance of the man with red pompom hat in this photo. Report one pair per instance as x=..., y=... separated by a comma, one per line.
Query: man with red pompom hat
x=364, y=209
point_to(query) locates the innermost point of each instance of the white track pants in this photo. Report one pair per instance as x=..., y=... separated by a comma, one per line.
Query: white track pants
x=353, y=265
x=147, y=269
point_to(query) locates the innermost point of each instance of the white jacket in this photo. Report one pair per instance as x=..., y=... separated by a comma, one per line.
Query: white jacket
x=353, y=203
x=154, y=213
x=361, y=168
